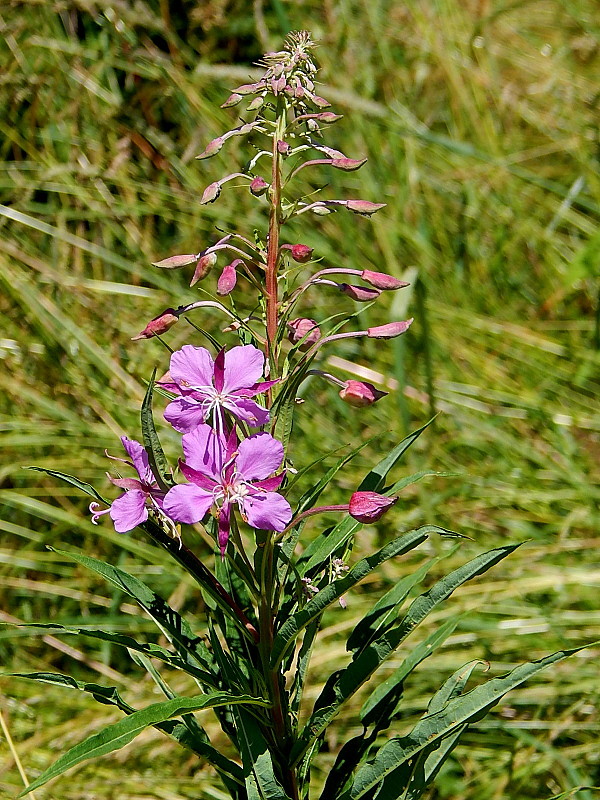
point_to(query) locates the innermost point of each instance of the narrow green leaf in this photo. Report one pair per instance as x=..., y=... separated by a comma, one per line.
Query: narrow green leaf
x=344, y=683
x=315, y=607
x=374, y=481
x=433, y=727
x=261, y=781
x=172, y=624
x=120, y=733
x=156, y=455
x=81, y=485
x=109, y=695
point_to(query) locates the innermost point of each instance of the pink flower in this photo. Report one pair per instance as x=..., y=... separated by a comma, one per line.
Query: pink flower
x=223, y=474
x=131, y=508
x=303, y=329
x=369, y=506
x=207, y=387
x=360, y=393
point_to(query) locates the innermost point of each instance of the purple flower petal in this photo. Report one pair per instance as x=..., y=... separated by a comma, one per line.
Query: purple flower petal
x=125, y=483
x=243, y=367
x=129, y=510
x=267, y=510
x=270, y=484
x=139, y=457
x=220, y=370
x=192, y=366
x=193, y=476
x=184, y=415
x=204, y=451
x=258, y=388
x=187, y=503
x=247, y=410
x=259, y=456
x=224, y=527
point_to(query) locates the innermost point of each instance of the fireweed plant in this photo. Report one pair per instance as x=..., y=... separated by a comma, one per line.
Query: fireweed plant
x=266, y=596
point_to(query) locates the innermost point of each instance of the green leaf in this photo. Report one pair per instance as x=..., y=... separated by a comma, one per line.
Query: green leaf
x=123, y=640
x=156, y=456
x=261, y=781
x=190, y=647
x=109, y=695
x=434, y=727
x=120, y=733
x=315, y=607
x=374, y=481
x=81, y=485
x=344, y=683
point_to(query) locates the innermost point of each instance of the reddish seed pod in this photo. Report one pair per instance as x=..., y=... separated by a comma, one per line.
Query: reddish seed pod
x=360, y=394
x=369, y=506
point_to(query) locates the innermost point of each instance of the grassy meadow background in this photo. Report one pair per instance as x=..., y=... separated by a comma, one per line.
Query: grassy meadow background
x=480, y=121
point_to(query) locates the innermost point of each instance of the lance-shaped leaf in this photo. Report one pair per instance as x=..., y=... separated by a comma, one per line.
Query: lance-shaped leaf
x=109, y=695
x=345, y=683
x=120, y=733
x=81, y=485
x=156, y=456
x=433, y=727
x=259, y=772
x=315, y=607
x=172, y=624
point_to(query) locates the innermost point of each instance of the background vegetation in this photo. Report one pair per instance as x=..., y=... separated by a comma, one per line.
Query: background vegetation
x=480, y=121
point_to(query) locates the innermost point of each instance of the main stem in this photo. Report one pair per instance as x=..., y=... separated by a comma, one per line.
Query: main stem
x=273, y=243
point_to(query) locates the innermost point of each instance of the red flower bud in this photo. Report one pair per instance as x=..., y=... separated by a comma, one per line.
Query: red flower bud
x=298, y=329
x=301, y=253
x=369, y=506
x=228, y=278
x=348, y=164
x=382, y=281
x=360, y=393
x=359, y=293
x=258, y=186
x=175, y=262
x=212, y=148
x=158, y=325
x=203, y=267
x=283, y=147
x=320, y=101
x=232, y=100
x=390, y=330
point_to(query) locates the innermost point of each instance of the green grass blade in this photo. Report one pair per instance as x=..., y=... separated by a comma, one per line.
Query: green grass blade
x=81, y=485
x=156, y=455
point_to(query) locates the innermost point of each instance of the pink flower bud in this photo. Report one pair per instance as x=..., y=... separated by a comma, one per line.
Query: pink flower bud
x=320, y=102
x=212, y=148
x=258, y=186
x=175, y=262
x=283, y=147
x=278, y=85
x=360, y=394
x=327, y=117
x=250, y=88
x=255, y=104
x=382, y=281
x=390, y=330
x=303, y=329
x=228, y=278
x=203, y=267
x=232, y=100
x=348, y=164
x=158, y=325
x=364, y=207
x=359, y=293
x=301, y=253
x=212, y=191
x=369, y=506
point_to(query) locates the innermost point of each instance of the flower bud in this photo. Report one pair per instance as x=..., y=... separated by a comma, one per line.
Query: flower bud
x=158, y=325
x=348, y=164
x=359, y=293
x=320, y=101
x=390, y=330
x=303, y=329
x=369, y=506
x=212, y=148
x=283, y=147
x=301, y=253
x=228, y=278
x=232, y=100
x=382, y=281
x=250, y=88
x=360, y=394
x=212, y=191
x=255, y=104
x=363, y=207
x=203, y=267
x=258, y=186
x=175, y=262
x=327, y=117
